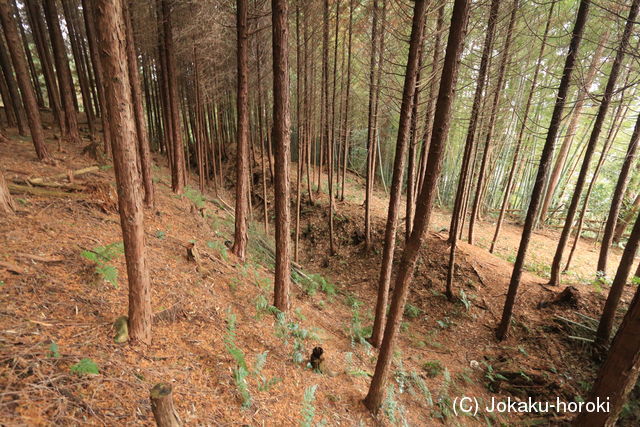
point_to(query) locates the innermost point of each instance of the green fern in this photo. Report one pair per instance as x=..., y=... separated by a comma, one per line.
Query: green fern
x=308, y=408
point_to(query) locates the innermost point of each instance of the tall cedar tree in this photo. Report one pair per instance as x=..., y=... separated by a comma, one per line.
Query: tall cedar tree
x=13, y=106
x=618, y=194
x=110, y=28
x=442, y=120
x=593, y=141
x=65, y=81
x=469, y=143
x=523, y=125
x=371, y=126
x=172, y=101
x=144, y=151
x=404, y=125
x=619, y=373
x=583, y=92
x=242, y=149
x=545, y=161
x=281, y=141
x=28, y=95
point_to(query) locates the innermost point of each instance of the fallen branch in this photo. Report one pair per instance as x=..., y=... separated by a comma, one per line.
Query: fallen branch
x=72, y=174
x=36, y=191
x=40, y=258
x=12, y=267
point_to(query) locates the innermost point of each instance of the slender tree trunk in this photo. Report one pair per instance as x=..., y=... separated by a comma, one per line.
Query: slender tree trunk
x=370, y=127
x=616, y=202
x=424, y=206
x=178, y=170
x=22, y=75
x=65, y=81
x=613, y=132
x=619, y=373
x=628, y=217
x=433, y=87
x=475, y=210
x=25, y=45
x=509, y=187
x=404, y=127
x=281, y=140
x=299, y=133
x=144, y=151
x=46, y=62
x=545, y=159
x=458, y=211
x=345, y=125
x=583, y=92
x=593, y=140
x=617, y=287
x=242, y=150
x=88, y=9
x=13, y=103
x=263, y=153
x=81, y=72
x=110, y=28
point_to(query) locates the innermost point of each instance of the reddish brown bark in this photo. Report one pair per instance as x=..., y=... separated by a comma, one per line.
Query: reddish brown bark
x=242, y=149
x=65, y=81
x=545, y=160
x=593, y=140
x=22, y=75
x=144, y=151
x=404, y=127
x=110, y=28
x=424, y=205
x=281, y=140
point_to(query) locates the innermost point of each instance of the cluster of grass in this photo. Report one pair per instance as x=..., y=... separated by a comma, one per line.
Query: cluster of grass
x=288, y=330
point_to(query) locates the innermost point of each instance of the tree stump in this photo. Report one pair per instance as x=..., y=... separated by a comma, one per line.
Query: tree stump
x=162, y=406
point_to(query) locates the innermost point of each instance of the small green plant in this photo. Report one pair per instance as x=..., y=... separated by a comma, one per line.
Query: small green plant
x=195, y=196
x=353, y=302
x=390, y=405
x=220, y=248
x=422, y=386
x=240, y=372
x=85, y=366
x=160, y=234
x=464, y=300
x=412, y=312
x=357, y=332
x=264, y=384
x=101, y=256
x=308, y=408
x=54, y=351
x=433, y=368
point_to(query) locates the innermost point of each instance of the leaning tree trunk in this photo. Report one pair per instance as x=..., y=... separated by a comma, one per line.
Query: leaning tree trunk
x=619, y=373
x=281, y=135
x=12, y=105
x=458, y=210
x=442, y=120
x=627, y=218
x=144, y=151
x=545, y=160
x=370, y=127
x=519, y=140
x=593, y=140
x=404, y=126
x=65, y=81
x=178, y=171
x=583, y=92
x=242, y=150
x=22, y=75
x=475, y=210
x=110, y=28
x=616, y=202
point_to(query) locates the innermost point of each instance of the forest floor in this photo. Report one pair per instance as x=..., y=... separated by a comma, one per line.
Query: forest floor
x=60, y=365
